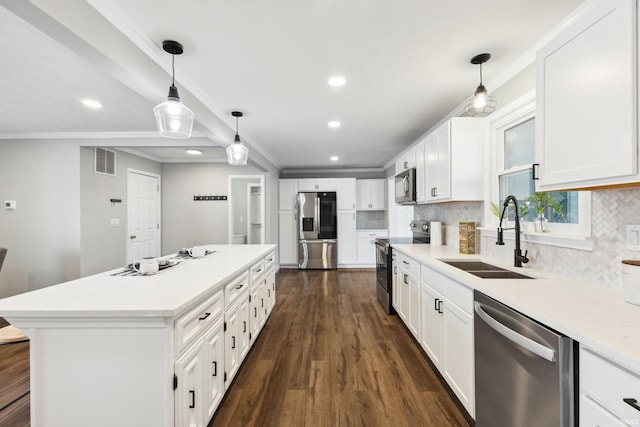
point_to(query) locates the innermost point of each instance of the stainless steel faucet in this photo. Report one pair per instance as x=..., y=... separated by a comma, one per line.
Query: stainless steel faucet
x=518, y=257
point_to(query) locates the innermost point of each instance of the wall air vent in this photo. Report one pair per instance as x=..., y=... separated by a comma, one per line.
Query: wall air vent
x=105, y=161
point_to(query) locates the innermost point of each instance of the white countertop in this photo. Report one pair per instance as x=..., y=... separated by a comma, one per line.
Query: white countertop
x=596, y=316
x=163, y=294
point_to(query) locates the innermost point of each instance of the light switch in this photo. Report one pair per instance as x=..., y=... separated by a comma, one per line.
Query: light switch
x=115, y=222
x=633, y=237
x=10, y=205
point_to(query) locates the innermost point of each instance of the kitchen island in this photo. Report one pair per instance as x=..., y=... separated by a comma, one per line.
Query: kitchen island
x=155, y=350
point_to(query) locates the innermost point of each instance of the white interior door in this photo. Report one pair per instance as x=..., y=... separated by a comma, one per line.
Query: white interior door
x=143, y=215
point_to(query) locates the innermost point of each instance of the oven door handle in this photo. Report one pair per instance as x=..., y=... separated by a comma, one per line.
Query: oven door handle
x=534, y=347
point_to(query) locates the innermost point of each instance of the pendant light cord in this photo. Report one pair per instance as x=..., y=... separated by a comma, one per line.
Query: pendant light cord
x=173, y=70
x=480, y=73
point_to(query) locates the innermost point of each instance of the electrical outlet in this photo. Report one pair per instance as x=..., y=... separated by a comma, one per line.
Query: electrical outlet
x=633, y=237
x=115, y=222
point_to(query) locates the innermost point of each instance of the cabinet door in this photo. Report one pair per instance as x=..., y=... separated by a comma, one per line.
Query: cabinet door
x=586, y=103
x=214, y=367
x=395, y=286
x=365, y=254
x=362, y=195
x=232, y=343
x=287, y=241
x=288, y=190
x=346, y=237
x=262, y=308
x=254, y=316
x=326, y=184
x=245, y=329
x=307, y=185
x=346, y=194
x=443, y=188
x=377, y=195
x=431, y=324
x=271, y=290
x=405, y=295
x=594, y=415
x=414, y=306
x=431, y=163
x=421, y=173
x=188, y=399
x=458, y=353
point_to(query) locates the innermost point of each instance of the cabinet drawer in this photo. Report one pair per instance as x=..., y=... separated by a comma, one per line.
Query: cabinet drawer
x=257, y=271
x=608, y=384
x=235, y=288
x=455, y=292
x=190, y=325
x=594, y=415
x=409, y=264
x=270, y=261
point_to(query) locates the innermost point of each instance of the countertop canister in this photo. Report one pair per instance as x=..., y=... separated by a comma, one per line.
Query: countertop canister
x=631, y=281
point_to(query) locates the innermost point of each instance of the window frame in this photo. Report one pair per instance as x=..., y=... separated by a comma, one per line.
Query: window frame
x=561, y=234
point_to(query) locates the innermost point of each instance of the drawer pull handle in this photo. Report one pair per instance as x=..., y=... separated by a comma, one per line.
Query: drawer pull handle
x=233, y=342
x=632, y=402
x=240, y=286
x=270, y=259
x=244, y=328
x=405, y=262
x=193, y=399
x=215, y=369
x=258, y=270
x=205, y=316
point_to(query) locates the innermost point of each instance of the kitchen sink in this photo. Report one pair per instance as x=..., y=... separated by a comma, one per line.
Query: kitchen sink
x=485, y=271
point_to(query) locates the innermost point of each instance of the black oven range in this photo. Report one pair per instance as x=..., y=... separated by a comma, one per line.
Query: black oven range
x=384, y=257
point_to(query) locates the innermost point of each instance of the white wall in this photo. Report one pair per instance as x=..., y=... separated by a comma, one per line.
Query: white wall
x=104, y=247
x=43, y=234
x=187, y=223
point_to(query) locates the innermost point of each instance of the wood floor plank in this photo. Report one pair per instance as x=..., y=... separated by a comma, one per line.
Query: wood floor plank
x=335, y=359
x=17, y=414
x=14, y=372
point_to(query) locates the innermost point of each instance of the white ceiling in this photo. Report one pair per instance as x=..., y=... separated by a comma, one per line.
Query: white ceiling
x=406, y=63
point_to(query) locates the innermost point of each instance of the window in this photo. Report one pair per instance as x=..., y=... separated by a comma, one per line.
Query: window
x=512, y=156
x=516, y=178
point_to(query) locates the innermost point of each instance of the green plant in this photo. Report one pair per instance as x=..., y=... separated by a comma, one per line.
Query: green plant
x=522, y=210
x=542, y=200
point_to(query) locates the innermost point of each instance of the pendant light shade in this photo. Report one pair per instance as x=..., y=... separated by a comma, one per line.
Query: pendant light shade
x=481, y=104
x=237, y=153
x=173, y=118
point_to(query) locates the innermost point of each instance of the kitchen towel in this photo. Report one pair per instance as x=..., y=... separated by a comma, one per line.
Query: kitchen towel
x=435, y=227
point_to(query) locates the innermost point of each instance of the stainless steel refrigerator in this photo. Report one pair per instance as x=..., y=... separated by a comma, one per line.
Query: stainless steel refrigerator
x=317, y=230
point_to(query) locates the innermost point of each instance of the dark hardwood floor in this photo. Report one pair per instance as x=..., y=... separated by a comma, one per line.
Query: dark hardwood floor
x=14, y=384
x=330, y=356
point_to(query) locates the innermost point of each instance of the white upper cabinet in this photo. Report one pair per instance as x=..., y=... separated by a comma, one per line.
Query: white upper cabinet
x=421, y=173
x=586, y=100
x=454, y=161
x=317, y=184
x=346, y=193
x=288, y=190
x=371, y=195
x=407, y=161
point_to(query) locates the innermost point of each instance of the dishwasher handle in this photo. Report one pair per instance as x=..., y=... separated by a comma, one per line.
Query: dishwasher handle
x=534, y=347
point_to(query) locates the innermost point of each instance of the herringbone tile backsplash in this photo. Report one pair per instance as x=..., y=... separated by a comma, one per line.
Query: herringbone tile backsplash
x=611, y=211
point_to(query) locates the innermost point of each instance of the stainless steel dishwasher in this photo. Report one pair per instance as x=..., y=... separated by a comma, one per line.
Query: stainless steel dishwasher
x=523, y=370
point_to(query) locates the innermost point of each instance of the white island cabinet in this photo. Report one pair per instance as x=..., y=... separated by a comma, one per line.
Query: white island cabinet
x=136, y=350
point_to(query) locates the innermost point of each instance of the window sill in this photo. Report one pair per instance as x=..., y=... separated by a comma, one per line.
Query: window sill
x=550, y=239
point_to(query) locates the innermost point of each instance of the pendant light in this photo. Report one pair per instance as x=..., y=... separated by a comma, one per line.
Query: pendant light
x=174, y=119
x=481, y=104
x=237, y=153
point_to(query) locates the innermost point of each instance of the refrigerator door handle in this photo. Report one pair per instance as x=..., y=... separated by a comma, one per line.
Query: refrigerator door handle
x=316, y=218
x=534, y=347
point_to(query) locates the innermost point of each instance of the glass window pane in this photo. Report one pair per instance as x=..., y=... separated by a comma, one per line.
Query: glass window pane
x=519, y=144
x=518, y=184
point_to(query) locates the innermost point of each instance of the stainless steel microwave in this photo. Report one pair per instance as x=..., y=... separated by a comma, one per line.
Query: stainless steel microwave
x=406, y=187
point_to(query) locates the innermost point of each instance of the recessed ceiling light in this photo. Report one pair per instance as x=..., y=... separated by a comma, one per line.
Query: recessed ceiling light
x=337, y=81
x=91, y=103
x=334, y=158
x=193, y=151
x=334, y=124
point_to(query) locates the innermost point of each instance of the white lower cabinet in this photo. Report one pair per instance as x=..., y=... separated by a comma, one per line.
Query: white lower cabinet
x=395, y=283
x=447, y=332
x=199, y=379
x=347, y=249
x=287, y=239
x=366, y=245
x=232, y=343
x=609, y=393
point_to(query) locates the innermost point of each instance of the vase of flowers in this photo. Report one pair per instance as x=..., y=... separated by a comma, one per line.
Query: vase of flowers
x=541, y=201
